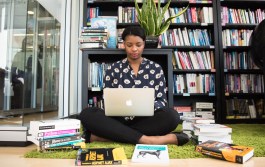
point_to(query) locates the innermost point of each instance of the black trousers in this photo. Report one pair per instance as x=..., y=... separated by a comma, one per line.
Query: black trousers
x=94, y=121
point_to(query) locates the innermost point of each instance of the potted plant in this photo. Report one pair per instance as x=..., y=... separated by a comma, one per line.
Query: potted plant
x=151, y=17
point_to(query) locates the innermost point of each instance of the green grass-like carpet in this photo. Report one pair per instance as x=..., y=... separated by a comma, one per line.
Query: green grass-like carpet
x=242, y=134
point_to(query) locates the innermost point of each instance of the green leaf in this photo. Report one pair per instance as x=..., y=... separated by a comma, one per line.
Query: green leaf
x=151, y=16
x=177, y=15
x=164, y=27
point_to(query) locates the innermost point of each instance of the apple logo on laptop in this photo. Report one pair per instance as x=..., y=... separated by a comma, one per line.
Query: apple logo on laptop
x=128, y=102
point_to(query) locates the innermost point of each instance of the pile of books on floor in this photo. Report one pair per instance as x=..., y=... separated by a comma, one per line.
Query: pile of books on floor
x=93, y=37
x=201, y=125
x=204, y=109
x=56, y=134
x=217, y=132
x=189, y=121
x=203, y=129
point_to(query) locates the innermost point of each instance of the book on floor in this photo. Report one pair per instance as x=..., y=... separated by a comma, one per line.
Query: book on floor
x=225, y=151
x=101, y=156
x=212, y=128
x=49, y=134
x=144, y=153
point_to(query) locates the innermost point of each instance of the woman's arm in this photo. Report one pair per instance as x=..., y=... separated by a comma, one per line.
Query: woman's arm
x=160, y=90
x=108, y=77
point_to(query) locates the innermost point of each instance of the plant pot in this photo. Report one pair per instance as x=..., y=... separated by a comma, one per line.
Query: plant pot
x=151, y=42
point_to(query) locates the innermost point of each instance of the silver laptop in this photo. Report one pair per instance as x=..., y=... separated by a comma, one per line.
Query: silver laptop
x=129, y=101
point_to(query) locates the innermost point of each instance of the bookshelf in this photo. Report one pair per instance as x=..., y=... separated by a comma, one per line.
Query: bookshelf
x=240, y=87
x=215, y=48
x=194, y=26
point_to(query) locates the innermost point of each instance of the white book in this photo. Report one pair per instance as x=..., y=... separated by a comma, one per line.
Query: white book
x=221, y=138
x=205, y=14
x=144, y=153
x=177, y=59
x=177, y=39
x=181, y=37
x=187, y=125
x=212, y=128
x=208, y=58
x=51, y=125
x=92, y=45
x=210, y=11
x=202, y=105
x=120, y=12
x=194, y=60
x=186, y=37
x=198, y=120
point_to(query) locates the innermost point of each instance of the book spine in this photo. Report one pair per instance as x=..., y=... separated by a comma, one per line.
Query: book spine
x=49, y=142
x=58, y=136
x=58, y=132
x=211, y=153
x=36, y=130
x=56, y=125
x=63, y=143
x=202, y=105
x=110, y=162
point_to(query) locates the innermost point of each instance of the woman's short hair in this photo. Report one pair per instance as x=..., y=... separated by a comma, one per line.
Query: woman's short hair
x=134, y=30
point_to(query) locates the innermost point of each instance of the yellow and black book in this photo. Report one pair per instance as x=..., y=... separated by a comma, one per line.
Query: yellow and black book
x=224, y=151
x=101, y=156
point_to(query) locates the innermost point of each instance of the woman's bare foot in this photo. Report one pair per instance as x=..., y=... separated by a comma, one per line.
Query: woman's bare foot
x=171, y=138
x=166, y=139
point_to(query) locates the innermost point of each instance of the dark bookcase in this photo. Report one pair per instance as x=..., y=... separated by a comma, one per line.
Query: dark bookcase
x=186, y=98
x=164, y=54
x=238, y=92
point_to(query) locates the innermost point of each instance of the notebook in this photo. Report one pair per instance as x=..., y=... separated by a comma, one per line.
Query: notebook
x=129, y=101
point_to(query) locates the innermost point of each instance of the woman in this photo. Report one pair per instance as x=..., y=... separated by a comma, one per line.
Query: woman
x=135, y=72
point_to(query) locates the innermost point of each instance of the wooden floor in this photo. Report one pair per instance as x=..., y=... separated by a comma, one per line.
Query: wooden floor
x=13, y=157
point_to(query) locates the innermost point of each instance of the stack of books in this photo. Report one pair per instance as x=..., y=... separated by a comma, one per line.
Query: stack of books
x=56, y=134
x=188, y=123
x=93, y=37
x=184, y=111
x=216, y=132
x=204, y=109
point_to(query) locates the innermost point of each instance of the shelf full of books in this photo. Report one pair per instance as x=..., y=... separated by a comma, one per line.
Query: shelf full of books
x=242, y=89
x=193, y=38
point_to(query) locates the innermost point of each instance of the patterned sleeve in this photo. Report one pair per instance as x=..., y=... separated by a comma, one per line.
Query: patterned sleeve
x=108, y=78
x=160, y=89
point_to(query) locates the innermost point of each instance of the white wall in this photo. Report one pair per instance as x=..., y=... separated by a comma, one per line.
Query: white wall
x=53, y=6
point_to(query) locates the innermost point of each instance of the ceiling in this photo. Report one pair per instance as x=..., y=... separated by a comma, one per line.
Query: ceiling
x=20, y=12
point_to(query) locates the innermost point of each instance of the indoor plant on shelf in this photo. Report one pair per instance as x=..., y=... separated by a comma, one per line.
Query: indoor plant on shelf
x=151, y=17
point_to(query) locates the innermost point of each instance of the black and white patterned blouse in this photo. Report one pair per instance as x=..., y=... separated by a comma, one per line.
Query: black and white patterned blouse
x=150, y=75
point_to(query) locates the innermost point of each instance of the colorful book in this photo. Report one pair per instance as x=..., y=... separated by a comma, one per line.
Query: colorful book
x=57, y=134
x=37, y=127
x=101, y=156
x=144, y=153
x=110, y=23
x=225, y=151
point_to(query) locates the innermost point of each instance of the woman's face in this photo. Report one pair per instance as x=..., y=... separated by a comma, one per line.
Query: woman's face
x=134, y=47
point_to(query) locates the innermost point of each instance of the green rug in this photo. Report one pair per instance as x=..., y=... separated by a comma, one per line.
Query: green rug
x=243, y=134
